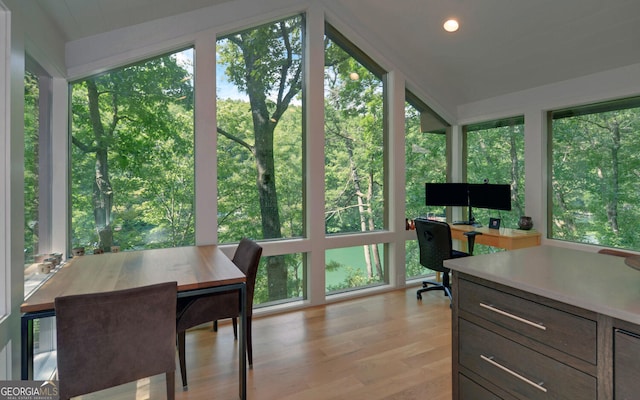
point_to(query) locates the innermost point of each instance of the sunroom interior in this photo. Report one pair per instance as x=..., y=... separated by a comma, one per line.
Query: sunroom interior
x=367, y=101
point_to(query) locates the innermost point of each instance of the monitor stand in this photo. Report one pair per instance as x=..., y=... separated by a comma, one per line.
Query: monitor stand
x=471, y=221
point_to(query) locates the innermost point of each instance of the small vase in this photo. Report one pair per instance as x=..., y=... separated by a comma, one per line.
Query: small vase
x=525, y=223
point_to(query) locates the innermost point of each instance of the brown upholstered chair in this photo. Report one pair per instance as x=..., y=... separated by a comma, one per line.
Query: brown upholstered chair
x=194, y=312
x=108, y=339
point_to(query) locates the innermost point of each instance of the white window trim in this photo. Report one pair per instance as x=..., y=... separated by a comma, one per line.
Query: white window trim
x=5, y=82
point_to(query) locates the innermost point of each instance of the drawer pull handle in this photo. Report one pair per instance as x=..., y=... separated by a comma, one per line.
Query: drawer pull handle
x=517, y=375
x=506, y=314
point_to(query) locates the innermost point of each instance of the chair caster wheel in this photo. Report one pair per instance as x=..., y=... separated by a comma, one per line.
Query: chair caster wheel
x=419, y=296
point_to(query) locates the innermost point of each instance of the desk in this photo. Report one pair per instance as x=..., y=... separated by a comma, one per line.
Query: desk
x=198, y=270
x=504, y=238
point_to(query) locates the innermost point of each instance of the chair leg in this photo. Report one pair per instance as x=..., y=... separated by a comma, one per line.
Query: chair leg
x=171, y=385
x=215, y=326
x=249, y=343
x=181, y=356
x=234, y=322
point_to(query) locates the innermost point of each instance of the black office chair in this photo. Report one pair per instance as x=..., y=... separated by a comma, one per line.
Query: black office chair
x=434, y=239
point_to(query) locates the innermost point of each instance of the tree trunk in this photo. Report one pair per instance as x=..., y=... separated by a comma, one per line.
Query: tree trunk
x=266, y=184
x=102, y=190
x=372, y=227
x=612, y=202
x=515, y=176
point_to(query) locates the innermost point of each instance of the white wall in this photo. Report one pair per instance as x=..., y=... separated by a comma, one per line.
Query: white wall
x=534, y=105
x=100, y=52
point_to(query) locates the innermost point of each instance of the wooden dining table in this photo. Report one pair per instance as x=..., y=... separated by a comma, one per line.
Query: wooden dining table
x=198, y=270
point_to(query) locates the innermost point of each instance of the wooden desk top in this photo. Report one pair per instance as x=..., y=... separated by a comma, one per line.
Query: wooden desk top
x=506, y=232
x=193, y=267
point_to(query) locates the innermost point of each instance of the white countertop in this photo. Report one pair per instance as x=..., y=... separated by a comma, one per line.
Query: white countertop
x=596, y=282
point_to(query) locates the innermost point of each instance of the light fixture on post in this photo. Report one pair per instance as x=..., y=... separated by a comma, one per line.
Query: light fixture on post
x=451, y=25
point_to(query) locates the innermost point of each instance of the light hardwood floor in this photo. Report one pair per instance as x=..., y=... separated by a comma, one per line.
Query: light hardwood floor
x=387, y=346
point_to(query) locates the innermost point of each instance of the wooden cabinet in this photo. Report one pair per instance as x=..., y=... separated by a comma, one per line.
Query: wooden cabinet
x=471, y=390
x=545, y=323
x=549, y=326
x=513, y=345
x=626, y=361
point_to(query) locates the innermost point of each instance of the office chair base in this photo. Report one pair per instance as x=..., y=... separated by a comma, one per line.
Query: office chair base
x=434, y=286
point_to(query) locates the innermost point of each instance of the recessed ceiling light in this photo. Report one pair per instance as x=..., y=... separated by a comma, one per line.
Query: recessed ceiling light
x=451, y=25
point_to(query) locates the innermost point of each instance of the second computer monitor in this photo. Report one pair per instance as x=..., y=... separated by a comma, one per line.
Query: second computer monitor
x=491, y=196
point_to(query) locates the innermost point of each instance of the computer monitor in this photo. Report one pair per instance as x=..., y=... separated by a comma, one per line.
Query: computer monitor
x=446, y=194
x=481, y=195
x=491, y=196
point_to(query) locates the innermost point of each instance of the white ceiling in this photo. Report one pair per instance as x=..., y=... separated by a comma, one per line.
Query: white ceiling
x=502, y=46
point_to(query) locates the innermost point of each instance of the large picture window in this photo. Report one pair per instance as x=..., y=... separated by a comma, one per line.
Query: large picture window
x=594, y=185
x=31, y=166
x=260, y=132
x=37, y=204
x=354, y=93
x=425, y=161
x=37, y=172
x=132, y=156
x=495, y=154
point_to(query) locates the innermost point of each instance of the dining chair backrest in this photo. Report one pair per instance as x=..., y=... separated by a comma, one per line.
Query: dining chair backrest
x=111, y=338
x=213, y=307
x=247, y=259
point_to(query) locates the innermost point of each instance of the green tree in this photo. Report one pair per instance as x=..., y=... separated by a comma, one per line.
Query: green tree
x=354, y=137
x=31, y=165
x=497, y=155
x=595, y=180
x=132, y=136
x=266, y=64
x=425, y=161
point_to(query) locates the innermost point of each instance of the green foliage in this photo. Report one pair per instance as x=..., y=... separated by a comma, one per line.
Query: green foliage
x=31, y=168
x=355, y=278
x=595, y=180
x=142, y=128
x=425, y=161
x=497, y=154
x=354, y=138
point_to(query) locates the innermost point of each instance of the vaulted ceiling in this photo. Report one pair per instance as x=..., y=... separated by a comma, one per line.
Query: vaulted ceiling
x=502, y=46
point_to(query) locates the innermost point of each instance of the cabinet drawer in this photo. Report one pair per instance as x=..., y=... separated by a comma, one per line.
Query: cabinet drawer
x=626, y=369
x=469, y=390
x=518, y=370
x=561, y=330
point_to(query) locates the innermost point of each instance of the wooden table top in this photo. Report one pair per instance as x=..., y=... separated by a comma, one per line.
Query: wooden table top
x=193, y=267
x=504, y=232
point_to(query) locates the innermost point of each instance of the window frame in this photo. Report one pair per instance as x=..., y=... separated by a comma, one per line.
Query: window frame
x=45, y=158
x=368, y=238
x=431, y=123
x=365, y=60
x=598, y=107
x=113, y=68
x=493, y=124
